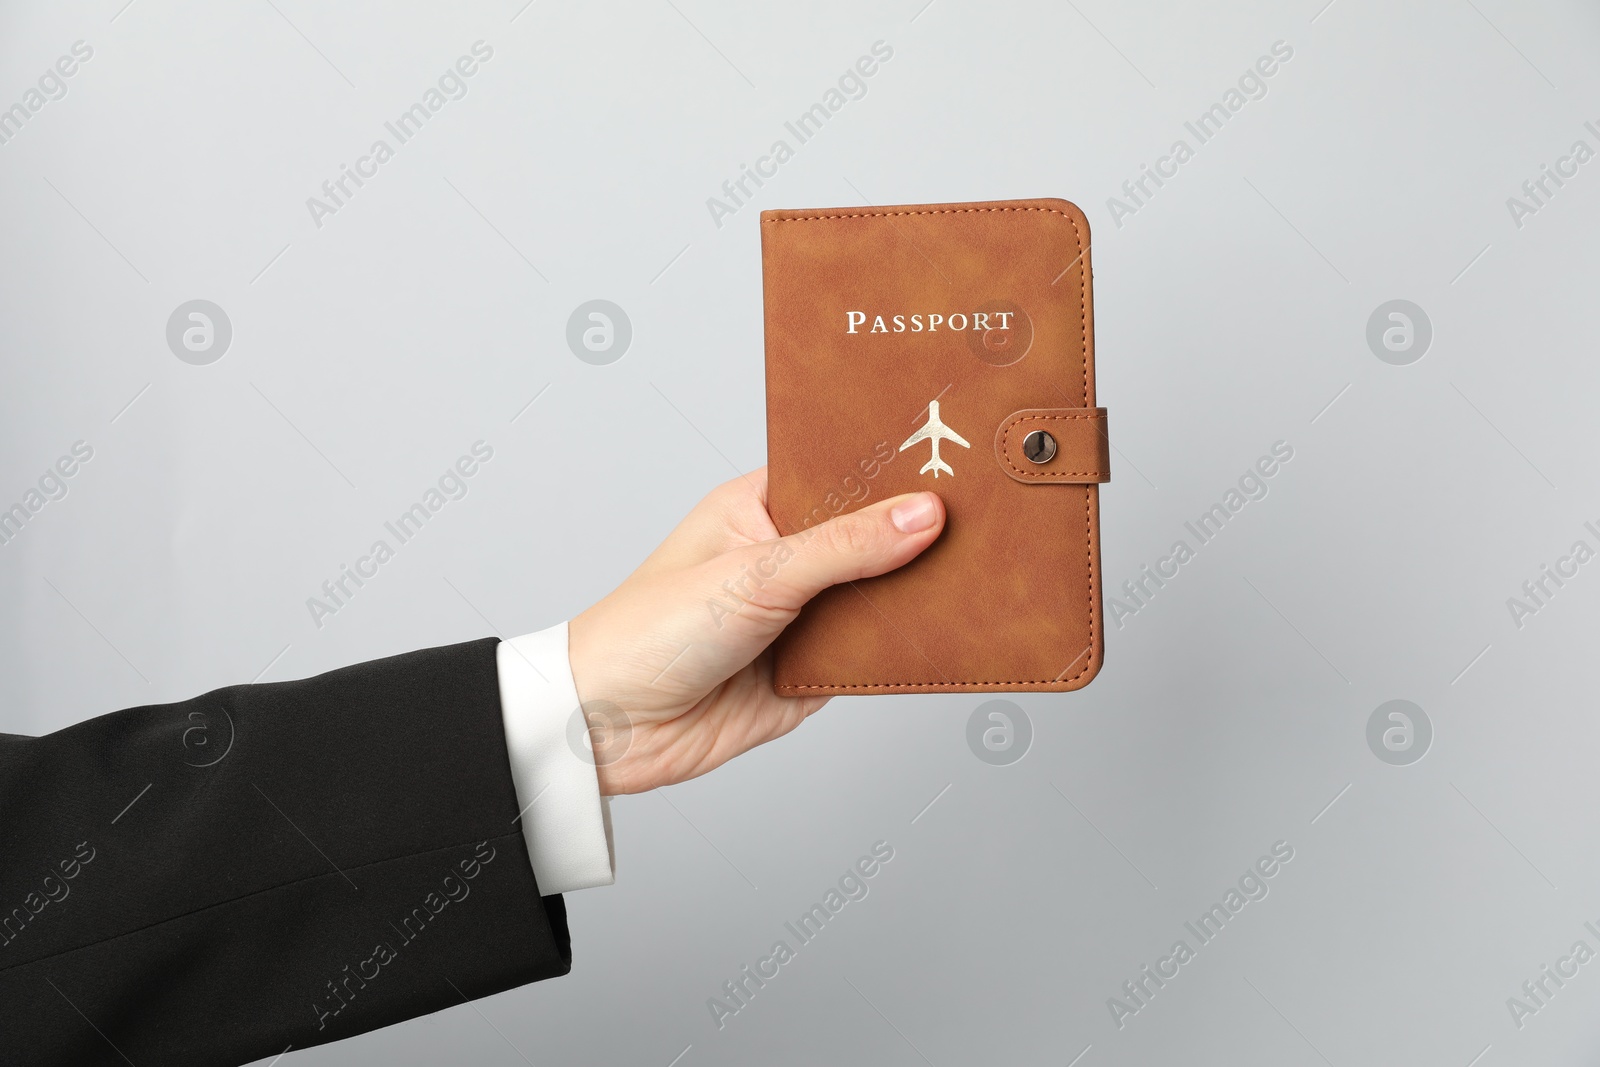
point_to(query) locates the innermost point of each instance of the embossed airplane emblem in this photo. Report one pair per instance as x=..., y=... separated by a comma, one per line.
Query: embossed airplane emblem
x=935, y=431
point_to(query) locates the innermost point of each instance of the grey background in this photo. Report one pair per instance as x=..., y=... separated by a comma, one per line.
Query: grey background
x=1232, y=309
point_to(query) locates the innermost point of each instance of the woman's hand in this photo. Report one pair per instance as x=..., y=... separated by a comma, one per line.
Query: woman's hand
x=672, y=668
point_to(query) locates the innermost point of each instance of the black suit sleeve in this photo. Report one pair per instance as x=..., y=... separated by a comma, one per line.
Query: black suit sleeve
x=266, y=866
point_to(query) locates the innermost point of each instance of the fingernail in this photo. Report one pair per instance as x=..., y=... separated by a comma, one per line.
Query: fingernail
x=914, y=514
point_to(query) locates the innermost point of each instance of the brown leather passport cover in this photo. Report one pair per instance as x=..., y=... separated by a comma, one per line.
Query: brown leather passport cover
x=918, y=347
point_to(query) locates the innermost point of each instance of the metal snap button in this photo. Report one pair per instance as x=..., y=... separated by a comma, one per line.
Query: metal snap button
x=1039, y=447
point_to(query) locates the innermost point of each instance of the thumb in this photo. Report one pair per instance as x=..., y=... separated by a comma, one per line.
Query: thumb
x=862, y=544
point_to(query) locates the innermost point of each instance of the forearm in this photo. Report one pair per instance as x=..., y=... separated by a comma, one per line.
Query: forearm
x=341, y=853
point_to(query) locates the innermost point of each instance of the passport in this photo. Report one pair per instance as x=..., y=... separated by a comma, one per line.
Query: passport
x=943, y=347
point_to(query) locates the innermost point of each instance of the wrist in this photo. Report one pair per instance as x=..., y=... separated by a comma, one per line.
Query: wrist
x=589, y=660
x=606, y=723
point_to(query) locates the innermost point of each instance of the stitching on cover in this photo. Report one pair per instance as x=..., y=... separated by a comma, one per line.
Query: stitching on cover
x=937, y=685
x=1088, y=528
x=1005, y=435
x=941, y=211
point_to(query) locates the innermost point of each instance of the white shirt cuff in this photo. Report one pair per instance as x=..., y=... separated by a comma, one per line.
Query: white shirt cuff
x=565, y=820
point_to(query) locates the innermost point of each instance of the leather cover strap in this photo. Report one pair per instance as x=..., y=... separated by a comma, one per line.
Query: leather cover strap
x=913, y=348
x=1083, y=451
